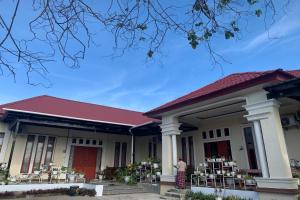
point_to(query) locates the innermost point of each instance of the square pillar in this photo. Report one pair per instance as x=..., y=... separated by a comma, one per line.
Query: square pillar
x=169, y=129
x=271, y=148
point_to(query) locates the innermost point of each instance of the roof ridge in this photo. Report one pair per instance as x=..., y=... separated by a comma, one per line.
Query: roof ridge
x=89, y=103
x=22, y=100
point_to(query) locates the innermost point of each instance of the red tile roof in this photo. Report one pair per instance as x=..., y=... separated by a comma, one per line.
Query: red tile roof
x=53, y=106
x=223, y=86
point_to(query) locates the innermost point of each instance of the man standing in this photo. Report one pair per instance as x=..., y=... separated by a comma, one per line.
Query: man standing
x=180, y=178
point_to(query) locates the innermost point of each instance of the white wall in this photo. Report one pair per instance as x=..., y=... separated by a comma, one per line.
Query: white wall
x=108, y=141
x=236, y=139
x=141, y=148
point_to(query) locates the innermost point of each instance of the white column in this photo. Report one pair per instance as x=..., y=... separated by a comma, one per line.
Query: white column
x=68, y=152
x=4, y=149
x=174, y=152
x=169, y=129
x=261, y=149
x=166, y=163
x=272, y=137
x=132, y=149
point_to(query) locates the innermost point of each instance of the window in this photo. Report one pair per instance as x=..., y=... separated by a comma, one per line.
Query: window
x=80, y=141
x=152, y=148
x=226, y=132
x=183, y=147
x=1, y=140
x=124, y=152
x=211, y=134
x=219, y=134
x=87, y=142
x=49, y=150
x=100, y=142
x=191, y=150
x=204, y=135
x=27, y=154
x=74, y=140
x=149, y=149
x=117, y=154
x=94, y=142
x=218, y=149
x=39, y=152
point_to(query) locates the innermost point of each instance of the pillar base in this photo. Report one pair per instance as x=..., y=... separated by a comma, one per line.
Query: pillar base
x=167, y=183
x=277, y=188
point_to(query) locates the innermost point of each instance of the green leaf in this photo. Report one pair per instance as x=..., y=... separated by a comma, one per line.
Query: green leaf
x=150, y=53
x=142, y=26
x=258, y=12
x=252, y=2
x=199, y=24
x=228, y=35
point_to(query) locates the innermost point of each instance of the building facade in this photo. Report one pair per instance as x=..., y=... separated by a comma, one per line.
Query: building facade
x=247, y=117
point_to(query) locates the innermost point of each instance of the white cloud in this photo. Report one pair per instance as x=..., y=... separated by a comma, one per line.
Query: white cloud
x=282, y=29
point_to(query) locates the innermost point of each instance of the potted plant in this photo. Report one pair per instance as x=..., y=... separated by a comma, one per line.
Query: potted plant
x=71, y=175
x=249, y=180
x=100, y=175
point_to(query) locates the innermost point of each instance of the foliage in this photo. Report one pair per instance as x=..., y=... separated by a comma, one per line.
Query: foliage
x=66, y=29
x=200, y=196
x=61, y=191
x=189, y=171
x=248, y=177
x=86, y=192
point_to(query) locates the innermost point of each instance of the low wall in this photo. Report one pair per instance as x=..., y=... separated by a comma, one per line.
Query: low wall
x=28, y=187
x=227, y=192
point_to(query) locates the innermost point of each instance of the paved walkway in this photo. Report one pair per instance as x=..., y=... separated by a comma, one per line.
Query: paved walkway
x=143, y=196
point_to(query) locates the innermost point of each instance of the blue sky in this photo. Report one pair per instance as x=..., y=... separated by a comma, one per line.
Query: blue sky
x=132, y=82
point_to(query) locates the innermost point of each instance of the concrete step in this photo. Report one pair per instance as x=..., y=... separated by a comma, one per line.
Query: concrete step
x=176, y=194
x=130, y=189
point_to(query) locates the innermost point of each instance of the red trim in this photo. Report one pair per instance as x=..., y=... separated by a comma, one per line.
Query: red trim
x=277, y=75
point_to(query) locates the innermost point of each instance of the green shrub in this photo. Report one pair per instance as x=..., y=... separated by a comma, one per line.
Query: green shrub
x=200, y=196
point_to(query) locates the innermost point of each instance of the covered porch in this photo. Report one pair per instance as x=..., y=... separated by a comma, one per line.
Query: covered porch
x=238, y=138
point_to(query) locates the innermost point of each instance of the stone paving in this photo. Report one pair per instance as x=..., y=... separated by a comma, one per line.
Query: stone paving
x=143, y=196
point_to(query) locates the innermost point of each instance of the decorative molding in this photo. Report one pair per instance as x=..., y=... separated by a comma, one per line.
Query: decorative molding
x=261, y=110
x=277, y=183
x=170, y=126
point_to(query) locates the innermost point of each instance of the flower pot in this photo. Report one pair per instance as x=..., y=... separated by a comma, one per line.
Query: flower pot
x=126, y=179
x=158, y=173
x=54, y=172
x=155, y=165
x=71, y=178
x=36, y=172
x=81, y=175
x=239, y=176
x=249, y=182
x=218, y=172
x=13, y=179
x=211, y=176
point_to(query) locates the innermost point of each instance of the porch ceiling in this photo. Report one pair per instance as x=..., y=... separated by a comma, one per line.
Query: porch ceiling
x=216, y=112
x=39, y=120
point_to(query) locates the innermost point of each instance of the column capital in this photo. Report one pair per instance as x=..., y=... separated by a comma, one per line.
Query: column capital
x=170, y=126
x=261, y=110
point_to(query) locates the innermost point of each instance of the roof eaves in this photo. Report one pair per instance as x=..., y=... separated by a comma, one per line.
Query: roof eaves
x=67, y=117
x=266, y=77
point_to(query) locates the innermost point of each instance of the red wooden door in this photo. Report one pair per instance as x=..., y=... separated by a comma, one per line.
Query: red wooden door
x=85, y=159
